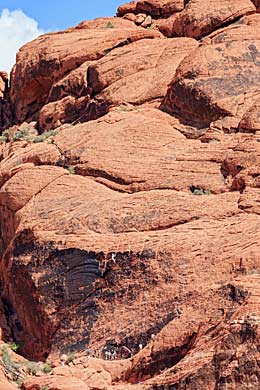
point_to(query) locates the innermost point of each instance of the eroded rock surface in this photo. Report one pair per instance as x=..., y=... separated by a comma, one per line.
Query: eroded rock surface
x=153, y=7
x=220, y=78
x=200, y=18
x=32, y=81
x=5, y=113
x=134, y=227
x=114, y=83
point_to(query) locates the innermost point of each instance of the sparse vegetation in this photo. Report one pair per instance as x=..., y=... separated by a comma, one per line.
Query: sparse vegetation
x=31, y=367
x=6, y=132
x=19, y=382
x=5, y=135
x=6, y=357
x=44, y=387
x=72, y=170
x=24, y=135
x=18, y=162
x=21, y=135
x=123, y=108
x=70, y=358
x=253, y=271
x=14, y=346
x=10, y=366
x=200, y=191
x=109, y=25
x=42, y=137
x=47, y=368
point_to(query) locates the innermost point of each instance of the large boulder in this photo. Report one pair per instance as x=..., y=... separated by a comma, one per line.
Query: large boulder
x=251, y=119
x=200, y=18
x=152, y=7
x=115, y=79
x=220, y=78
x=45, y=61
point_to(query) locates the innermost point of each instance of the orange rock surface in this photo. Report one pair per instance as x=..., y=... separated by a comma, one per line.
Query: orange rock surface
x=129, y=202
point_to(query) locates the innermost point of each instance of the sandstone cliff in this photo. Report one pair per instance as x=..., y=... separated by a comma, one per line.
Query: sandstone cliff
x=130, y=200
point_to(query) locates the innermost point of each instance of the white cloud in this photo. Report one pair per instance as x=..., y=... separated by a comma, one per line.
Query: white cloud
x=16, y=28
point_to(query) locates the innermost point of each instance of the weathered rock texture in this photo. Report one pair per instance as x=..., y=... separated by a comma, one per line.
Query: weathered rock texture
x=5, y=113
x=193, y=18
x=135, y=226
x=221, y=77
x=34, y=83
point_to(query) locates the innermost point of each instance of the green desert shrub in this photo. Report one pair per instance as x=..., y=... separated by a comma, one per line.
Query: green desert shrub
x=109, y=25
x=10, y=366
x=42, y=137
x=47, y=368
x=21, y=134
x=200, y=191
x=70, y=358
x=72, y=170
x=5, y=135
x=14, y=346
x=32, y=367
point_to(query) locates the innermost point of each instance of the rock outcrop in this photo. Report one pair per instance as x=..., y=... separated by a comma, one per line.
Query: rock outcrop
x=129, y=202
x=34, y=83
x=209, y=84
x=5, y=112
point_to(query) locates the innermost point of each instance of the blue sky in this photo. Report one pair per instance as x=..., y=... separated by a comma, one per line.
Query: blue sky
x=59, y=14
x=24, y=20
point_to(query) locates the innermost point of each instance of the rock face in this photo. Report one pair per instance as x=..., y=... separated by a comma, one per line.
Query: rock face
x=153, y=7
x=257, y=4
x=3, y=83
x=51, y=61
x=199, y=18
x=209, y=85
x=113, y=83
x=5, y=113
x=132, y=230
x=193, y=18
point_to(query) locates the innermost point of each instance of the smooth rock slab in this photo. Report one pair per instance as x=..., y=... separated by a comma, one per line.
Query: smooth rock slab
x=115, y=79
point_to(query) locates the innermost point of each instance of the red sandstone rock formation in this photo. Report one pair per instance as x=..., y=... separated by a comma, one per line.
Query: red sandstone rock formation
x=137, y=221
x=5, y=113
x=209, y=85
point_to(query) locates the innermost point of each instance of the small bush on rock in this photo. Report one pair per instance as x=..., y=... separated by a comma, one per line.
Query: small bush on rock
x=42, y=137
x=14, y=346
x=10, y=366
x=109, y=25
x=200, y=191
x=3, y=138
x=47, y=368
x=72, y=170
x=21, y=135
x=70, y=358
x=32, y=368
